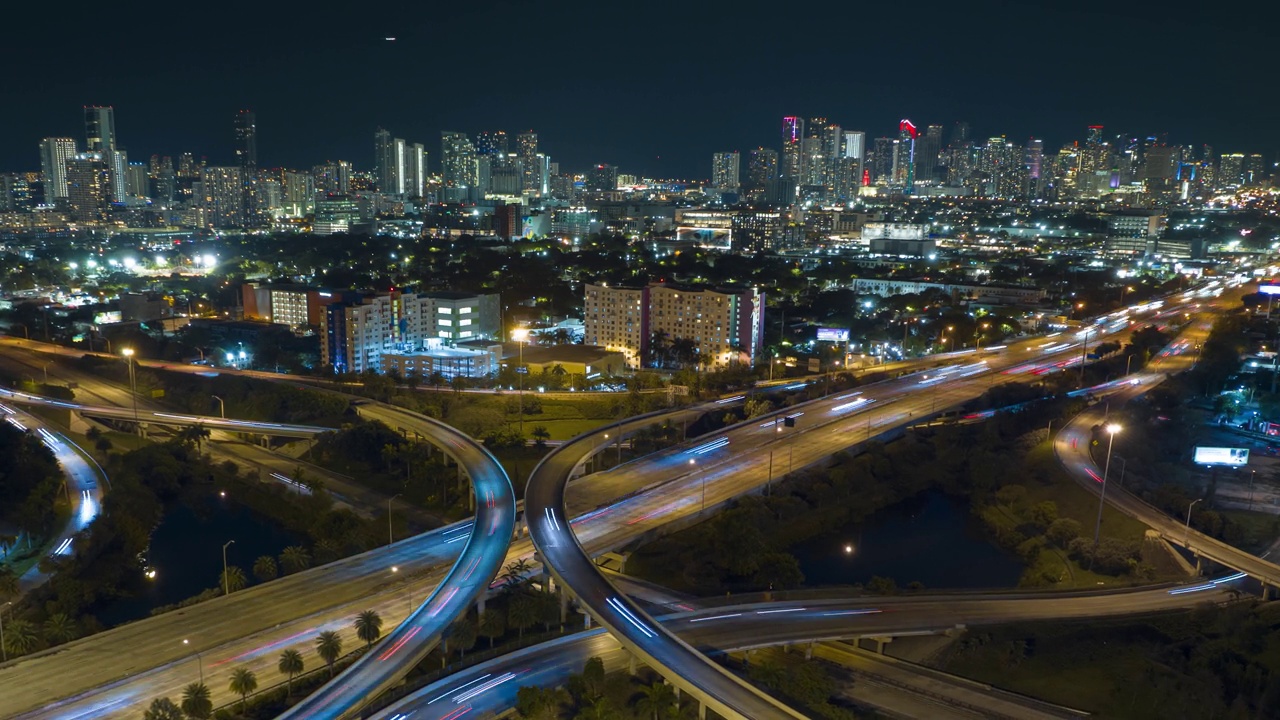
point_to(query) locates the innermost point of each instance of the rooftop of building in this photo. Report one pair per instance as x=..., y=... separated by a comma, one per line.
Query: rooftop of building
x=439, y=352
x=541, y=355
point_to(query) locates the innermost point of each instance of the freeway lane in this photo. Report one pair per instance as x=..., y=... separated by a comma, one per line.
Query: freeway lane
x=1071, y=446
x=83, y=491
x=251, y=627
x=481, y=559
x=489, y=689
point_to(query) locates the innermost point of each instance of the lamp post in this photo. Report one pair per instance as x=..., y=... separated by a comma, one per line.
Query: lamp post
x=45, y=367
x=4, y=652
x=225, y=583
x=1112, y=429
x=199, y=660
x=1186, y=530
x=520, y=335
x=133, y=381
x=395, y=569
x=702, y=482
x=222, y=406
x=390, y=538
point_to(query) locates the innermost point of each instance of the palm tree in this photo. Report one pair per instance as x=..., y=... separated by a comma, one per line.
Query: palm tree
x=535, y=703
x=59, y=628
x=163, y=709
x=294, y=558
x=290, y=664
x=196, y=702
x=600, y=709
x=492, y=626
x=19, y=637
x=513, y=575
x=193, y=434
x=369, y=627
x=329, y=645
x=463, y=636
x=264, y=568
x=657, y=701
x=522, y=612
x=243, y=683
x=232, y=579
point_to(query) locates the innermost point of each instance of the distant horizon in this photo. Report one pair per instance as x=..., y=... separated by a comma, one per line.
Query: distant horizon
x=653, y=89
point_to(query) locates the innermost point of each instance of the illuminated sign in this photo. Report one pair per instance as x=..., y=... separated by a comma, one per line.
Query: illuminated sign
x=837, y=335
x=1269, y=289
x=1234, y=457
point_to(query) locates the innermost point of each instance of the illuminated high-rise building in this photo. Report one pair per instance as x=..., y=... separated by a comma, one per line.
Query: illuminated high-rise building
x=725, y=167
x=222, y=197
x=491, y=142
x=1231, y=169
x=458, y=161
x=389, y=161
x=163, y=181
x=246, y=137
x=54, y=154
x=792, y=159
x=928, y=148
x=535, y=180
x=88, y=186
x=1254, y=170
x=332, y=178
x=100, y=129
x=762, y=169
x=415, y=168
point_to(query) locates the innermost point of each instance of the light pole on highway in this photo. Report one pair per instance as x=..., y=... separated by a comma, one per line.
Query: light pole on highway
x=222, y=406
x=133, y=381
x=45, y=367
x=520, y=335
x=1112, y=429
x=199, y=659
x=395, y=569
x=702, y=481
x=225, y=583
x=4, y=653
x=1186, y=530
x=390, y=538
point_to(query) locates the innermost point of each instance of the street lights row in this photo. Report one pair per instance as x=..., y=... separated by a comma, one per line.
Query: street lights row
x=1112, y=430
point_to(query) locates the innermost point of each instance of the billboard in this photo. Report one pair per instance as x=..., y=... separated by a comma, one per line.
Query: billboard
x=711, y=238
x=1235, y=457
x=839, y=335
x=1269, y=287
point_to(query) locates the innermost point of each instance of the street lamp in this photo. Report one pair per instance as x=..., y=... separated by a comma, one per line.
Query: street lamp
x=133, y=381
x=1186, y=530
x=225, y=581
x=199, y=659
x=702, y=482
x=222, y=406
x=1112, y=429
x=520, y=335
x=390, y=538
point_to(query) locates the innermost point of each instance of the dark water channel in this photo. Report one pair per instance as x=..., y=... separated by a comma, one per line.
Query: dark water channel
x=930, y=538
x=186, y=552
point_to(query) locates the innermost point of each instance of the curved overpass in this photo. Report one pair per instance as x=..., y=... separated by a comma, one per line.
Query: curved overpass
x=489, y=689
x=387, y=662
x=675, y=659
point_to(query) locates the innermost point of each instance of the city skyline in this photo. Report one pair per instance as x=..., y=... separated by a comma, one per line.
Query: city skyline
x=641, y=99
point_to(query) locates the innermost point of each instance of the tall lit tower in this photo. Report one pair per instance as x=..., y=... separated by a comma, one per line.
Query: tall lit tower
x=54, y=154
x=908, y=133
x=100, y=129
x=246, y=131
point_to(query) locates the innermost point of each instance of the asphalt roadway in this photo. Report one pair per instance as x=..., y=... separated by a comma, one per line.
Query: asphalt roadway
x=251, y=627
x=489, y=689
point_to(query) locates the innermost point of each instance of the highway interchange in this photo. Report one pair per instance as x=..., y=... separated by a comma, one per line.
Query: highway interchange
x=719, y=474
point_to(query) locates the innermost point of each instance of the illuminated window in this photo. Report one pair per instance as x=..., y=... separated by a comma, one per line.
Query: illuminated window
x=446, y=323
x=446, y=311
x=464, y=311
x=464, y=322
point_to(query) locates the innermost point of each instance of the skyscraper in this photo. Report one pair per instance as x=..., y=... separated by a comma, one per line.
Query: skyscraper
x=162, y=178
x=415, y=169
x=927, y=150
x=100, y=129
x=492, y=142
x=527, y=149
x=54, y=154
x=88, y=186
x=1231, y=169
x=223, y=197
x=762, y=169
x=725, y=168
x=792, y=159
x=388, y=159
x=246, y=136
x=333, y=178
x=457, y=161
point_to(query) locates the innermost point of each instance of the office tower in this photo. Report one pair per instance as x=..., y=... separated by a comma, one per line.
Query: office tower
x=389, y=162
x=246, y=144
x=1095, y=154
x=136, y=181
x=88, y=186
x=162, y=179
x=222, y=197
x=959, y=134
x=542, y=175
x=928, y=148
x=1254, y=170
x=849, y=166
x=881, y=160
x=1035, y=166
x=119, y=161
x=415, y=168
x=725, y=167
x=457, y=160
x=602, y=178
x=54, y=154
x=506, y=175
x=904, y=161
x=762, y=169
x=332, y=178
x=1230, y=169
x=492, y=142
x=100, y=129
x=792, y=157
x=855, y=145
x=527, y=150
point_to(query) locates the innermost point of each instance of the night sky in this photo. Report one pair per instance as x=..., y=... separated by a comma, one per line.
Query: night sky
x=652, y=87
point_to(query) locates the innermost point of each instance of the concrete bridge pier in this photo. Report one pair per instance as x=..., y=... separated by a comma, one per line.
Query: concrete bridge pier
x=480, y=603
